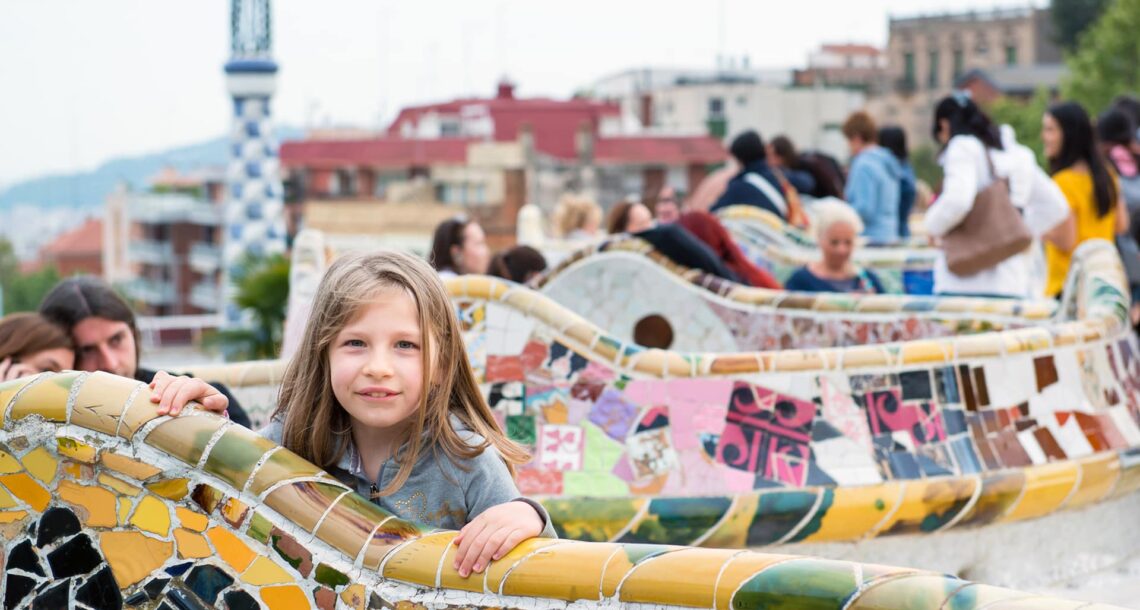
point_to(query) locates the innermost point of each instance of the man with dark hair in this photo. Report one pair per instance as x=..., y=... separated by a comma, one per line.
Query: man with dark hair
x=106, y=336
x=873, y=181
x=756, y=184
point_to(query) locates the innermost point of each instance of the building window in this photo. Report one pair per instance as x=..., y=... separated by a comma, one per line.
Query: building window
x=449, y=129
x=908, y=61
x=741, y=100
x=933, y=82
x=959, y=64
x=1011, y=55
x=716, y=107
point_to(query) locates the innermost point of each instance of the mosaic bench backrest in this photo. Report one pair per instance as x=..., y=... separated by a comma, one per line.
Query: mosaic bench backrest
x=105, y=505
x=755, y=448
x=773, y=244
x=632, y=291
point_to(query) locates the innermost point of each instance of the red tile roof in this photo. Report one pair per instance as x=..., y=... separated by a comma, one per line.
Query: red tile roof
x=375, y=152
x=85, y=239
x=651, y=150
x=852, y=49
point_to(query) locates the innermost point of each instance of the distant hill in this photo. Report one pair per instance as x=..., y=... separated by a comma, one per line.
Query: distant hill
x=86, y=191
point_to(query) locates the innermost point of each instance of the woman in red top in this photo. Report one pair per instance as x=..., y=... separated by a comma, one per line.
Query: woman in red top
x=708, y=229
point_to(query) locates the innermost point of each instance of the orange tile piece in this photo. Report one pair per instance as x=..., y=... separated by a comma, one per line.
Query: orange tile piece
x=129, y=466
x=233, y=511
x=656, y=581
x=288, y=597
x=230, y=548
x=41, y=464
x=25, y=488
x=191, y=519
x=191, y=545
x=12, y=516
x=6, y=499
x=94, y=505
x=152, y=515
x=133, y=555
x=9, y=464
x=571, y=571
x=497, y=571
x=1099, y=474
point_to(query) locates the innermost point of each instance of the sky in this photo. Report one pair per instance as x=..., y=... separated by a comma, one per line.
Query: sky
x=84, y=82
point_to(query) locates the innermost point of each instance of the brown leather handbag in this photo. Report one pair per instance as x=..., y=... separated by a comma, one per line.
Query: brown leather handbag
x=991, y=232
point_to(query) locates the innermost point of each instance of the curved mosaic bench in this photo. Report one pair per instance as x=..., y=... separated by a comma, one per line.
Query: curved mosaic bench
x=781, y=248
x=834, y=444
x=104, y=504
x=621, y=282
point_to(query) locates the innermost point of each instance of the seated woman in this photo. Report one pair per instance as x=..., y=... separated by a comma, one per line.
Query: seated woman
x=577, y=218
x=672, y=240
x=30, y=344
x=519, y=264
x=459, y=247
x=837, y=226
x=708, y=229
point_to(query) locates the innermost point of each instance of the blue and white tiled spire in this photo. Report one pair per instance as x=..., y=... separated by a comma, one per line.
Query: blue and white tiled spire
x=255, y=211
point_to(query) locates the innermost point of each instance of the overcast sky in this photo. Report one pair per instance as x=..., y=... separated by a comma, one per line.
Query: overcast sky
x=85, y=81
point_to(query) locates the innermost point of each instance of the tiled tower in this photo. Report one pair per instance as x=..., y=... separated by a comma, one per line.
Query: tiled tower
x=255, y=213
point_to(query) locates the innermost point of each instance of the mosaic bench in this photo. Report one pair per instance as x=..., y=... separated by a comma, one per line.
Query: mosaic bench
x=748, y=449
x=105, y=505
x=781, y=248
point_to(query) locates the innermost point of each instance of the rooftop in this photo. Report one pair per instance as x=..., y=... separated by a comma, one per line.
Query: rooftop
x=86, y=239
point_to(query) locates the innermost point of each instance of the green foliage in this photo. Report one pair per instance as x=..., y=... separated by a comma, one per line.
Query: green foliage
x=1025, y=118
x=1072, y=17
x=1107, y=60
x=263, y=291
x=22, y=291
x=924, y=160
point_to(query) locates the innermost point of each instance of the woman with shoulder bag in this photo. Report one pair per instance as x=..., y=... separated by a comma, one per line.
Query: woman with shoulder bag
x=977, y=160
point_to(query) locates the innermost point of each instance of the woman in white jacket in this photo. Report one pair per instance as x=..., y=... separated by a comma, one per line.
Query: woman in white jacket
x=968, y=136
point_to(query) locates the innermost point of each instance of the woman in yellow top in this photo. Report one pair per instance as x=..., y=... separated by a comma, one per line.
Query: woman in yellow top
x=1092, y=190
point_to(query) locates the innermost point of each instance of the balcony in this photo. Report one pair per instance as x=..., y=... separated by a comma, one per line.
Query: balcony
x=205, y=257
x=206, y=295
x=170, y=208
x=152, y=292
x=151, y=252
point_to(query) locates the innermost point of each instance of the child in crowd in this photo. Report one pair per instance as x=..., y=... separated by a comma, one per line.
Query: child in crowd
x=383, y=397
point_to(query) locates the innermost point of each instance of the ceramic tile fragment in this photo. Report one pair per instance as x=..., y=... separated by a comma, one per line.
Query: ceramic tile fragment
x=234, y=455
x=95, y=506
x=263, y=571
x=129, y=466
x=234, y=511
x=119, y=485
x=8, y=463
x=230, y=548
x=46, y=397
x=171, y=489
x=133, y=556
x=191, y=520
x=23, y=487
x=284, y=598
x=152, y=515
x=191, y=545
x=76, y=450
x=41, y=464
x=185, y=437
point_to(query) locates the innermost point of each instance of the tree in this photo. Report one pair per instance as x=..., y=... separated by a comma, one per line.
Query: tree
x=22, y=292
x=1107, y=61
x=1025, y=118
x=1072, y=17
x=263, y=291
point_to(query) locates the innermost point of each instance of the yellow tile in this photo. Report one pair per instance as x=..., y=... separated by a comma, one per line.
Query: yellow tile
x=9, y=464
x=120, y=485
x=6, y=499
x=384, y=540
x=138, y=413
x=133, y=556
x=124, y=510
x=855, y=511
x=909, y=591
x=1046, y=487
x=418, y=562
x=8, y=390
x=41, y=464
x=191, y=519
x=288, y=597
x=656, y=581
x=185, y=437
x=101, y=401
x=498, y=569
x=263, y=571
x=171, y=489
x=191, y=545
x=1099, y=474
x=355, y=597
x=76, y=450
x=230, y=548
x=923, y=352
x=348, y=525
x=47, y=398
x=12, y=516
x=304, y=502
x=152, y=515
x=449, y=577
x=283, y=464
x=129, y=466
x=94, y=505
x=929, y=504
x=570, y=571
x=74, y=470
x=23, y=487
x=741, y=569
x=732, y=531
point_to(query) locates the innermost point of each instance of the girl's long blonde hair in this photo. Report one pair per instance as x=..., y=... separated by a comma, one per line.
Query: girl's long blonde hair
x=317, y=428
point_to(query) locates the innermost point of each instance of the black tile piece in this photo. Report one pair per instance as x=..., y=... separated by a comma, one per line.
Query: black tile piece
x=165, y=606
x=916, y=385
x=967, y=388
x=16, y=588
x=981, y=389
x=822, y=431
x=56, y=524
x=179, y=569
x=53, y=598
x=136, y=598
x=24, y=557
x=240, y=600
x=182, y=599
x=206, y=581
x=155, y=587
x=100, y=591
x=75, y=557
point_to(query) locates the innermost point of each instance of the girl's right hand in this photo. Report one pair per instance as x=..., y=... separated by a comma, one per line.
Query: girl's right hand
x=172, y=393
x=14, y=370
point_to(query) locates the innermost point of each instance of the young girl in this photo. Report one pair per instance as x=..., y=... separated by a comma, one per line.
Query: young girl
x=382, y=396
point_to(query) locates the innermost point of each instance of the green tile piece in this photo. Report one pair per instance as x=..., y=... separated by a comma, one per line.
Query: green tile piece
x=235, y=454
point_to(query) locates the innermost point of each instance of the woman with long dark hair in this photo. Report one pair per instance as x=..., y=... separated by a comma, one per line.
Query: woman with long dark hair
x=893, y=138
x=975, y=153
x=459, y=247
x=1088, y=183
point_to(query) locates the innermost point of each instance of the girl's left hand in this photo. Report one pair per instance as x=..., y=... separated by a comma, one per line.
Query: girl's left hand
x=493, y=534
x=172, y=393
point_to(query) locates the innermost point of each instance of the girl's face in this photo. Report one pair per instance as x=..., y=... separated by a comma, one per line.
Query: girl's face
x=1052, y=138
x=640, y=219
x=943, y=134
x=837, y=245
x=474, y=255
x=376, y=365
x=51, y=360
